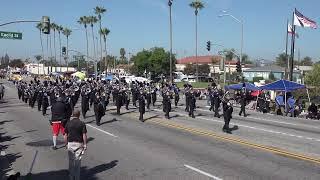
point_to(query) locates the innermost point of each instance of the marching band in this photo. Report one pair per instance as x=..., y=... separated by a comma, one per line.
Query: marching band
x=97, y=93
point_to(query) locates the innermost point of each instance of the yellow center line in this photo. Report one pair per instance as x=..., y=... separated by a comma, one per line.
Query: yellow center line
x=166, y=123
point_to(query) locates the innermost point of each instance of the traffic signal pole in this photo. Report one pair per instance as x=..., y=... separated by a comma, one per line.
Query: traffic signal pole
x=21, y=21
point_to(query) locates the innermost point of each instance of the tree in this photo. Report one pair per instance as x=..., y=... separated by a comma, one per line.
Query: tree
x=204, y=69
x=84, y=21
x=39, y=27
x=16, y=63
x=104, y=33
x=79, y=62
x=230, y=54
x=245, y=59
x=67, y=33
x=156, y=61
x=60, y=30
x=93, y=20
x=197, y=5
x=282, y=59
x=189, y=69
x=313, y=77
x=307, y=61
x=272, y=77
x=216, y=60
x=99, y=11
x=38, y=58
x=122, y=54
x=54, y=27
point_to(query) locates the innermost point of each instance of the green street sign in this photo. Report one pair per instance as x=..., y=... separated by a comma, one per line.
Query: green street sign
x=10, y=35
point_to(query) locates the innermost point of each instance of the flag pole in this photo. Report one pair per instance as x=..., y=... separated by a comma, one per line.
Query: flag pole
x=292, y=46
x=287, y=59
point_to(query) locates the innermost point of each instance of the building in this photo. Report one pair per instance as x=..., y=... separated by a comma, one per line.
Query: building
x=212, y=61
x=266, y=72
x=44, y=70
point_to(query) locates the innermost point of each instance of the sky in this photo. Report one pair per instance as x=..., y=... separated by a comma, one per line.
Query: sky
x=143, y=24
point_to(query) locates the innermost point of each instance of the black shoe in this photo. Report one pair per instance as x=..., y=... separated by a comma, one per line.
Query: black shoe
x=228, y=132
x=193, y=116
x=224, y=130
x=54, y=148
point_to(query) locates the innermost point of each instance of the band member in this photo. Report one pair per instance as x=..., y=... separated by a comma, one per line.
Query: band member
x=142, y=105
x=99, y=110
x=216, y=101
x=153, y=94
x=1, y=91
x=243, y=103
x=192, y=103
x=85, y=93
x=119, y=98
x=39, y=98
x=187, y=94
x=134, y=93
x=45, y=102
x=176, y=95
x=166, y=101
x=227, y=114
x=148, y=95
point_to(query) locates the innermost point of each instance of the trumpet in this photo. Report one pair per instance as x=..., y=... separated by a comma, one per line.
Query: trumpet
x=88, y=91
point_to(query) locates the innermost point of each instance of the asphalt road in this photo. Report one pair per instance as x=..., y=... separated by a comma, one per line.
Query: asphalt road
x=263, y=147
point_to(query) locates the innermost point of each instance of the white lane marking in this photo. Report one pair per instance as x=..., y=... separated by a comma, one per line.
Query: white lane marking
x=202, y=172
x=105, y=132
x=255, y=128
x=279, y=122
x=3, y=153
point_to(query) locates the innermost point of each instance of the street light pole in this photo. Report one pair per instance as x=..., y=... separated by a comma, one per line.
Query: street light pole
x=241, y=22
x=170, y=9
x=197, y=66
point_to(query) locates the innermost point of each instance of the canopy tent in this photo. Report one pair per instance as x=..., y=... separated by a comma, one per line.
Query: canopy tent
x=283, y=85
x=248, y=86
x=109, y=77
x=286, y=86
x=78, y=74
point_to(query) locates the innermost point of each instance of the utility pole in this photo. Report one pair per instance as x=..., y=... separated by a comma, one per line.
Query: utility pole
x=170, y=9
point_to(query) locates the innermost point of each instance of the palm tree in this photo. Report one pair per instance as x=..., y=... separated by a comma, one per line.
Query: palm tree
x=39, y=26
x=60, y=29
x=67, y=33
x=99, y=11
x=197, y=5
x=38, y=58
x=92, y=20
x=84, y=21
x=54, y=27
x=105, y=32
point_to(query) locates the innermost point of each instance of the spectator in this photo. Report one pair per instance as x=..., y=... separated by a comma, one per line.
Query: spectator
x=76, y=142
x=312, y=112
x=291, y=106
x=280, y=104
x=58, y=119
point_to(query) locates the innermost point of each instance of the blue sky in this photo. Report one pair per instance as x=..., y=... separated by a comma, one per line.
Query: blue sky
x=138, y=24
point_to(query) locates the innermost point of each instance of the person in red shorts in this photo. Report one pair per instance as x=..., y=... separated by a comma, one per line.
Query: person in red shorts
x=58, y=119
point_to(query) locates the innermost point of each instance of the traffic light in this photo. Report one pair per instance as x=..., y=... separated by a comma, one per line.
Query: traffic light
x=45, y=24
x=208, y=45
x=64, y=50
x=238, y=66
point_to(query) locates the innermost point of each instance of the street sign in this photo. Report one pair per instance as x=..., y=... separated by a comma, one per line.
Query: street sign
x=10, y=35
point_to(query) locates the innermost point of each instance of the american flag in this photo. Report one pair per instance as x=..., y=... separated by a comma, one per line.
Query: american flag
x=301, y=20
